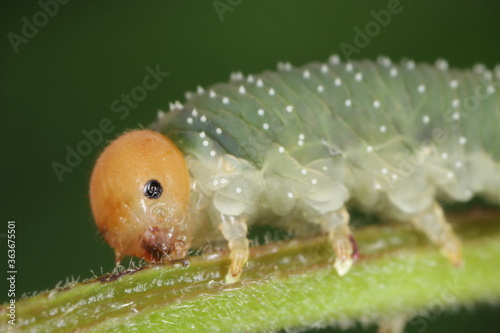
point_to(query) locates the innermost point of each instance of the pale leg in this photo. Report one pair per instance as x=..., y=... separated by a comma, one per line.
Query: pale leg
x=339, y=234
x=392, y=325
x=433, y=223
x=234, y=230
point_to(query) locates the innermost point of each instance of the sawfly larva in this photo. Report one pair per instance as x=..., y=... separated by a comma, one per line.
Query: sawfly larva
x=301, y=144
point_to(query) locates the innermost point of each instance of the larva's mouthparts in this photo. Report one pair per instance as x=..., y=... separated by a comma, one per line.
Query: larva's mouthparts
x=166, y=244
x=139, y=194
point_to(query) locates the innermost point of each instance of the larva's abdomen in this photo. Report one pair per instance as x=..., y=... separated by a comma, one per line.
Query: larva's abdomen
x=391, y=124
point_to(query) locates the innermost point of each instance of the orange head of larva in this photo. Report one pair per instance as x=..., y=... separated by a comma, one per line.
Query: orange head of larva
x=139, y=193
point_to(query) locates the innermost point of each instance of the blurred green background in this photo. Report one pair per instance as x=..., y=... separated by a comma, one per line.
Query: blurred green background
x=64, y=78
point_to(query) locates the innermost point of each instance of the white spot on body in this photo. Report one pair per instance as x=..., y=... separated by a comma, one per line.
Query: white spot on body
x=384, y=171
x=349, y=67
x=324, y=69
x=442, y=64
x=189, y=120
x=453, y=84
x=456, y=116
x=479, y=68
x=200, y=90
x=238, y=190
x=369, y=149
x=259, y=83
x=212, y=94
x=450, y=175
x=205, y=143
x=271, y=92
x=383, y=129
x=289, y=108
x=212, y=153
x=314, y=181
x=444, y=156
x=393, y=72
x=284, y=66
x=250, y=78
x=426, y=119
x=265, y=126
x=202, y=135
x=218, y=130
x=462, y=140
x=338, y=82
x=384, y=61
x=260, y=112
x=490, y=89
x=225, y=100
x=281, y=150
x=421, y=88
x=303, y=171
x=203, y=119
x=236, y=76
x=302, y=136
x=290, y=195
x=194, y=113
x=410, y=65
x=458, y=164
x=335, y=59
x=348, y=102
x=241, y=90
x=376, y=104
x=306, y=74
x=455, y=103
x=358, y=77
x=320, y=88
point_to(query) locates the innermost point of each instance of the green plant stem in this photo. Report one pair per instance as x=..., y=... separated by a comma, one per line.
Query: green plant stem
x=286, y=284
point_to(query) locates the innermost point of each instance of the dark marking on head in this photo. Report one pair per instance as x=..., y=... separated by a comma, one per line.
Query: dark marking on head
x=155, y=245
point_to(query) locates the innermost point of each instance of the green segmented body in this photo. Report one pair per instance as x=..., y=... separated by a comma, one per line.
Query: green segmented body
x=389, y=137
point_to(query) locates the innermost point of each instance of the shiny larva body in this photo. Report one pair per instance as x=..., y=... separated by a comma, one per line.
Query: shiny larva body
x=303, y=143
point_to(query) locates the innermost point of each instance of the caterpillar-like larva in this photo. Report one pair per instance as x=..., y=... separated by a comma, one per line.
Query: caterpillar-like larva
x=302, y=144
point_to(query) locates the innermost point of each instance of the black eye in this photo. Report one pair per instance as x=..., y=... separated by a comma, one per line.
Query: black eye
x=152, y=189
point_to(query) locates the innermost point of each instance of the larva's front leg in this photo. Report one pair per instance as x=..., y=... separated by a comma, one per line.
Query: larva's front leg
x=336, y=224
x=433, y=223
x=234, y=229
